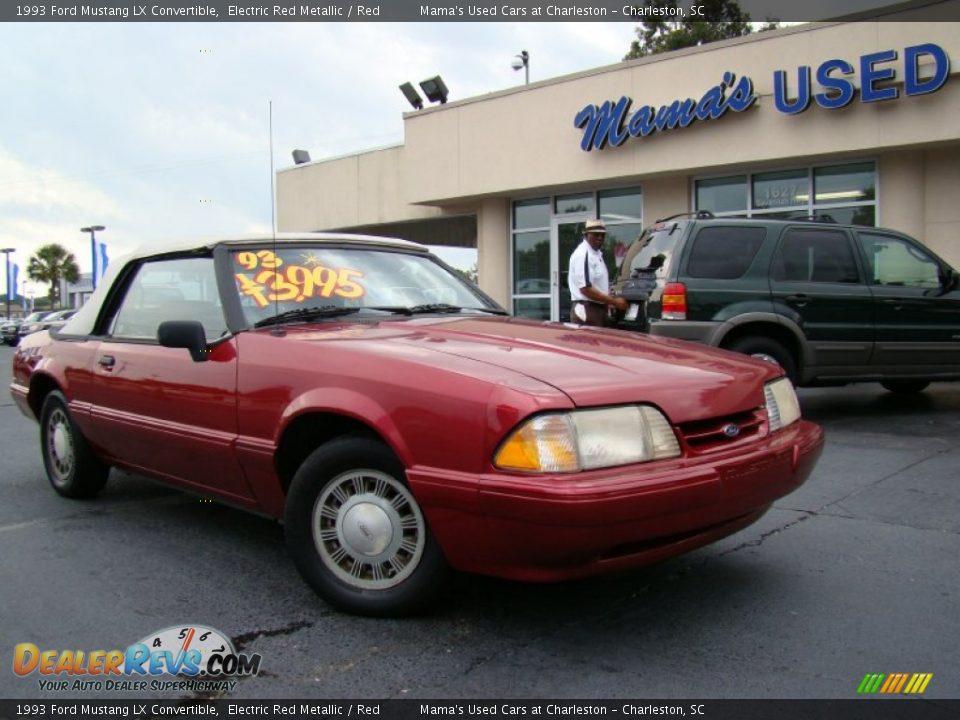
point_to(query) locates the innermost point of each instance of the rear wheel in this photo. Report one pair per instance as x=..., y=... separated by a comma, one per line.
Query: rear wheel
x=357, y=533
x=72, y=467
x=764, y=348
x=905, y=387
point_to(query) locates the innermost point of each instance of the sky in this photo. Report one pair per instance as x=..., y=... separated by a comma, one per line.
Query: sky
x=161, y=130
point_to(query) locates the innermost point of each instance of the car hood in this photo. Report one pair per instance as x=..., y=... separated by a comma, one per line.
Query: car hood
x=591, y=366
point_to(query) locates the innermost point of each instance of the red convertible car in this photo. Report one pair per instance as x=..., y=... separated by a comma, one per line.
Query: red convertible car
x=398, y=423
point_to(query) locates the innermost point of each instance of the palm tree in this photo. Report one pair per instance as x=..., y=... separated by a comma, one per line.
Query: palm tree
x=51, y=263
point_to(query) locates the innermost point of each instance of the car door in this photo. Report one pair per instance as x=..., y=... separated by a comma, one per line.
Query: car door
x=917, y=305
x=816, y=280
x=153, y=408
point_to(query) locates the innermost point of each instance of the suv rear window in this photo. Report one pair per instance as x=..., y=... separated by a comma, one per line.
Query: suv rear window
x=724, y=253
x=652, y=250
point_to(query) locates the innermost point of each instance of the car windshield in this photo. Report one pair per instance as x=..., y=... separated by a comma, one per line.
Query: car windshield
x=309, y=282
x=652, y=250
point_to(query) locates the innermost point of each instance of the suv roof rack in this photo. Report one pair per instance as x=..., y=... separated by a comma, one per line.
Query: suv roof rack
x=699, y=215
x=816, y=218
x=798, y=216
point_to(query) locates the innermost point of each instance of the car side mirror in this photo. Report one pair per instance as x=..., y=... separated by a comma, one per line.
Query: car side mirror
x=187, y=334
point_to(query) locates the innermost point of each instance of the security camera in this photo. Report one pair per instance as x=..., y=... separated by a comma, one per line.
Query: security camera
x=517, y=62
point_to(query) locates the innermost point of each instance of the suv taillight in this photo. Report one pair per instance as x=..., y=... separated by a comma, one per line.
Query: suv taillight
x=673, y=302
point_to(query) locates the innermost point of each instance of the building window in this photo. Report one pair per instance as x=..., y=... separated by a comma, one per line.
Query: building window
x=529, y=214
x=566, y=204
x=622, y=211
x=722, y=195
x=531, y=258
x=847, y=193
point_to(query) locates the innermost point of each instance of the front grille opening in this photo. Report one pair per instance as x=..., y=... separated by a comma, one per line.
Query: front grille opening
x=722, y=432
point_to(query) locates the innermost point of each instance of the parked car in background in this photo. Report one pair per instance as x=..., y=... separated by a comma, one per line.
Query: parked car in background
x=9, y=331
x=399, y=423
x=57, y=319
x=33, y=322
x=829, y=303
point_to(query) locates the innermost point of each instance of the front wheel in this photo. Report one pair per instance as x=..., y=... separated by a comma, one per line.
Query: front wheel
x=357, y=533
x=72, y=467
x=905, y=387
x=764, y=348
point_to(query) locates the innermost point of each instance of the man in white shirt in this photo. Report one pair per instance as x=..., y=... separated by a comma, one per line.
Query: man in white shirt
x=588, y=279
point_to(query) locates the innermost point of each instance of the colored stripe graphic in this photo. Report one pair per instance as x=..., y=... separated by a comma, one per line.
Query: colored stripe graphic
x=870, y=683
x=895, y=683
x=918, y=683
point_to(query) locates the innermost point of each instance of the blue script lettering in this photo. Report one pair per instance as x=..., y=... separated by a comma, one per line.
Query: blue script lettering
x=609, y=124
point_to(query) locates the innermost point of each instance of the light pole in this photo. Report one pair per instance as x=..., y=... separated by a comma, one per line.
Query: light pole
x=522, y=61
x=93, y=230
x=6, y=253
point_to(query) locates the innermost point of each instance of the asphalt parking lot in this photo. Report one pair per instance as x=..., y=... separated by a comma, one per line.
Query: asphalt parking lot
x=855, y=573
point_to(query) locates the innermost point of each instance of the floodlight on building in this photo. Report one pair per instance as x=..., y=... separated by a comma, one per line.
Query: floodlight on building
x=435, y=89
x=301, y=156
x=412, y=96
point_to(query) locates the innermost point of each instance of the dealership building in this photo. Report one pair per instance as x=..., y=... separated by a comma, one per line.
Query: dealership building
x=856, y=120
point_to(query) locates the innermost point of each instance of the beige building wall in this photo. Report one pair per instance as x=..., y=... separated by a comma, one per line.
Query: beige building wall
x=364, y=189
x=942, y=203
x=473, y=156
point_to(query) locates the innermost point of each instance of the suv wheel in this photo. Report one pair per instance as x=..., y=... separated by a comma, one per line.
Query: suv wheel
x=905, y=387
x=764, y=348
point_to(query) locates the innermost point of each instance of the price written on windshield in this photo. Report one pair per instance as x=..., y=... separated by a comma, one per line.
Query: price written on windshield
x=269, y=279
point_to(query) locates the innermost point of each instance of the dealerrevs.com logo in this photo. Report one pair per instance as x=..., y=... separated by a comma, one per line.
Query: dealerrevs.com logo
x=203, y=659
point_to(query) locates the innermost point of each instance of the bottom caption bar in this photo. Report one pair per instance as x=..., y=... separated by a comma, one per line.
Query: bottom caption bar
x=881, y=708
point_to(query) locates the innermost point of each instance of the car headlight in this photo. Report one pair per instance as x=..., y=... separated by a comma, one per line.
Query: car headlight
x=588, y=439
x=783, y=408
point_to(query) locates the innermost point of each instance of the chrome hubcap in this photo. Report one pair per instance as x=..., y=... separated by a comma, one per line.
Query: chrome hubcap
x=368, y=529
x=59, y=446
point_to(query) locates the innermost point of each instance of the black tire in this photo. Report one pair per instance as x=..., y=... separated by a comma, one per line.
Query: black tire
x=357, y=534
x=765, y=348
x=905, y=387
x=73, y=469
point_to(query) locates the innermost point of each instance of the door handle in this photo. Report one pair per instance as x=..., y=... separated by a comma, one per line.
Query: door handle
x=106, y=361
x=896, y=302
x=799, y=300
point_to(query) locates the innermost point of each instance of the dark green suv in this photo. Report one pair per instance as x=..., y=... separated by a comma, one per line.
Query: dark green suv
x=832, y=304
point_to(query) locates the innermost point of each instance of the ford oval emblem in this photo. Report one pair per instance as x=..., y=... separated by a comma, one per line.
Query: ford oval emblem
x=731, y=430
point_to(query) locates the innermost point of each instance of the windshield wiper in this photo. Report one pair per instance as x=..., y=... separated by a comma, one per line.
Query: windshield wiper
x=445, y=308
x=305, y=314
x=327, y=311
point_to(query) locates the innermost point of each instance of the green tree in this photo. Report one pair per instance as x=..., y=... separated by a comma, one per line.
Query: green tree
x=50, y=264
x=721, y=19
x=470, y=274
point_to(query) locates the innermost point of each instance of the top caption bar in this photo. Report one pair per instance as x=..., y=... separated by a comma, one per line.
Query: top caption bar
x=456, y=11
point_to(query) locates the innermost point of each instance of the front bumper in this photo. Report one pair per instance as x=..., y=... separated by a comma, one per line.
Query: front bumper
x=546, y=528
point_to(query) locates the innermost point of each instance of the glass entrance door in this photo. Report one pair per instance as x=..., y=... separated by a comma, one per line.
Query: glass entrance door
x=566, y=234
